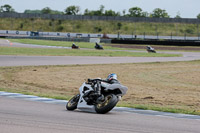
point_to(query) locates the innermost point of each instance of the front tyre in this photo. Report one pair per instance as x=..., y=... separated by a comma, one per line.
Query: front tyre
x=109, y=103
x=73, y=102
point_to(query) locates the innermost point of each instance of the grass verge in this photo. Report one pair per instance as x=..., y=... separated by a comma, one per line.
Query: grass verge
x=58, y=43
x=72, y=52
x=169, y=86
x=100, y=27
x=120, y=104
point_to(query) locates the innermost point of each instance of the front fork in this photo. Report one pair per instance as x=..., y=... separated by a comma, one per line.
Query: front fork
x=98, y=88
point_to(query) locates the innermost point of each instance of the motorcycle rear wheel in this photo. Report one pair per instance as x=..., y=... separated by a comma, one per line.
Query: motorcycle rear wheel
x=110, y=101
x=73, y=102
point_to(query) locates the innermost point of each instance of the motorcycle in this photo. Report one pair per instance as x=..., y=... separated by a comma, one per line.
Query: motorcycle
x=87, y=100
x=97, y=46
x=150, y=49
x=74, y=46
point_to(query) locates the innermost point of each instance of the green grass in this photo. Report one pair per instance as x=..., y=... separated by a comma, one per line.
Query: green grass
x=120, y=104
x=53, y=43
x=9, y=81
x=91, y=26
x=74, y=52
x=70, y=52
x=162, y=109
x=61, y=43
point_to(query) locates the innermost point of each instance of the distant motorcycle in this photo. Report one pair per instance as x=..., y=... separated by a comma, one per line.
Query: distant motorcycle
x=97, y=46
x=150, y=49
x=75, y=46
x=87, y=99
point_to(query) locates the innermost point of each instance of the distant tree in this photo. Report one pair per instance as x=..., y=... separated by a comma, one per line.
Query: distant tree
x=99, y=12
x=86, y=12
x=46, y=10
x=198, y=16
x=178, y=15
x=56, y=12
x=33, y=11
x=6, y=8
x=159, y=13
x=124, y=12
x=93, y=13
x=135, y=12
x=72, y=10
x=145, y=14
x=111, y=13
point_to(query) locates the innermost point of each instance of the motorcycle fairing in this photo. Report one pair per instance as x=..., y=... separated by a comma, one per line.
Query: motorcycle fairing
x=108, y=87
x=82, y=104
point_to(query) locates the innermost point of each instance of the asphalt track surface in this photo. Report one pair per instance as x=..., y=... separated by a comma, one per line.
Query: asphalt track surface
x=18, y=116
x=10, y=60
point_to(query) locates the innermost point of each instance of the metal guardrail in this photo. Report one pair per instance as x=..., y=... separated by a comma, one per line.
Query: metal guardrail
x=71, y=39
x=90, y=35
x=50, y=38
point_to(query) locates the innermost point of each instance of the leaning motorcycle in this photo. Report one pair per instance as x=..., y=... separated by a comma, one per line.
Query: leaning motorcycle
x=75, y=46
x=150, y=49
x=87, y=100
x=98, y=46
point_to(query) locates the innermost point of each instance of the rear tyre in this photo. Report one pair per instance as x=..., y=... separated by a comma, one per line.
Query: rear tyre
x=73, y=102
x=109, y=103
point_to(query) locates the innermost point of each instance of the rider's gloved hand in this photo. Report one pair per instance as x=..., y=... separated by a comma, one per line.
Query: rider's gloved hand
x=90, y=80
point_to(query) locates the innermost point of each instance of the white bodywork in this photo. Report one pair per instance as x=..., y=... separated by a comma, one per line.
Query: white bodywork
x=108, y=86
x=82, y=105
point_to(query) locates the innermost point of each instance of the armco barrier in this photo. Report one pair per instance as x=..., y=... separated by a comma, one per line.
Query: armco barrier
x=50, y=38
x=159, y=42
x=127, y=41
x=56, y=38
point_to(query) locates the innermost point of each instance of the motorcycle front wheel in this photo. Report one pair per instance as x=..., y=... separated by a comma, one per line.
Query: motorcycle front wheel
x=107, y=105
x=73, y=102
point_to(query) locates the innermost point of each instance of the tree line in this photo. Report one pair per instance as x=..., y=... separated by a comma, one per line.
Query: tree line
x=75, y=10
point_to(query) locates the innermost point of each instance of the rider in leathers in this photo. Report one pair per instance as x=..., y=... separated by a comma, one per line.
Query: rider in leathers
x=111, y=79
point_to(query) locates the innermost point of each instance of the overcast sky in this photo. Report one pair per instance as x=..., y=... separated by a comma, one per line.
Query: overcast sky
x=186, y=8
